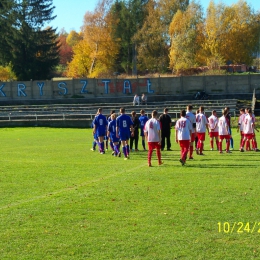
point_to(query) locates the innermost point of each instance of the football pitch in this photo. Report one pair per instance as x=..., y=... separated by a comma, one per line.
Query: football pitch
x=59, y=200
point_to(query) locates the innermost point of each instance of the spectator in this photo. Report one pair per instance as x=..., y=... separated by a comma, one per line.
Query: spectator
x=144, y=99
x=136, y=100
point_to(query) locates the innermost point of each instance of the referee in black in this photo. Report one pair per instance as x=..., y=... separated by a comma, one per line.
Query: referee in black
x=166, y=123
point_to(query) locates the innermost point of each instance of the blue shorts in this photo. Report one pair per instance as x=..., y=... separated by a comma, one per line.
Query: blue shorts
x=142, y=132
x=101, y=133
x=124, y=136
x=114, y=139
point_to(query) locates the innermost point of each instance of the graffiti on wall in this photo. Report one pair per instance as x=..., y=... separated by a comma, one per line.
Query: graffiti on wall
x=125, y=87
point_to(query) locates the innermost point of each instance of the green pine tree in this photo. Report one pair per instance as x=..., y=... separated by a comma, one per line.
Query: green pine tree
x=32, y=51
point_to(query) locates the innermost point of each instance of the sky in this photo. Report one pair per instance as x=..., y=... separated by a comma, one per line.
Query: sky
x=70, y=14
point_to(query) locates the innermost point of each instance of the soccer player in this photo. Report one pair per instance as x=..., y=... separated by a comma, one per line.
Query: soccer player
x=254, y=142
x=109, y=118
x=183, y=133
x=123, y=126
x=213, y=130
x=111, y=133
x=95, y=141
x=228, y=117
x=100, y=128
x=240, y=126
x=249, y=125
x=166, y=124
x=192, y=118
x=152, y=131
x=201, y=126
x=223, y=128
x=143, y=119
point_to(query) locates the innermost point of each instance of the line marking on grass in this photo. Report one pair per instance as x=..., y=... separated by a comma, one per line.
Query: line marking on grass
x=51, y=194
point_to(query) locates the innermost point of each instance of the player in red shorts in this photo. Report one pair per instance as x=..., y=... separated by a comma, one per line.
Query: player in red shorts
x=192, y=119
x=213, y=129
x=201, y=126
x=183, y=132
x=249, y=125
x=240, y=126
x=223, y=130
x=152, y=131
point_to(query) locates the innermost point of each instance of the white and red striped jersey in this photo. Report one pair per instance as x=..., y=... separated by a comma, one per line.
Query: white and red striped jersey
x=213, y=123
x=183, y=127
x=201, y=122
x=223, y=126
x=152, y=128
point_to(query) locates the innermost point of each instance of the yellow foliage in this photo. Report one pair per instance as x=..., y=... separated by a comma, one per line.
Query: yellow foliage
x=6, y=74
x=96, y=53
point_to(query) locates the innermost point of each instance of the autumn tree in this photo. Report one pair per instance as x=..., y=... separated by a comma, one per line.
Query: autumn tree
x=152, y=48
x=73, y=38
x=231, y=33
x=101, y=49
x=184, y=37
x=81, y=63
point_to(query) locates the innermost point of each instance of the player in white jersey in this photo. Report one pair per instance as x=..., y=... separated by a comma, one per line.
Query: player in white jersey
x=249, y=126
x=192, y=119
x=183, y=133
x=152, y=131
x=254, y=142
x=240, y=126
x=201, y=126
x=223, y=130
x=213, y=129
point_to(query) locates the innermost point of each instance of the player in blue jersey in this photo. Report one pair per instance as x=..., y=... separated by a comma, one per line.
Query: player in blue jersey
x=109, y=119
x=100, y=128
x=143, y=119
x=95, y=141
x=111, y=133
x=123, y=125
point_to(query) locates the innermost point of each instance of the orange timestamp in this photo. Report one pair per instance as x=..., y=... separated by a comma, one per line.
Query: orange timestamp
x=239, y=227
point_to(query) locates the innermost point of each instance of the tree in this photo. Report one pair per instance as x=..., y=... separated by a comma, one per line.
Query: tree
x=32, y=51
x=73, y=38
x=231, y=33
x=97, y=32
x=184, y=37
x=81, y=62
x=128, y=17
x=152, y=48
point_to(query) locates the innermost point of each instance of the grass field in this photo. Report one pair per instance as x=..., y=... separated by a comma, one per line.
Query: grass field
x=59, y=200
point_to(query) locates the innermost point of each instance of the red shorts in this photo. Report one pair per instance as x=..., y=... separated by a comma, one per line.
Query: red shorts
x=154, y=145
x=201, y=136
x=192, y=137
x=213, y=134
x=184, y=143
x=249, y=136
x=221, y=137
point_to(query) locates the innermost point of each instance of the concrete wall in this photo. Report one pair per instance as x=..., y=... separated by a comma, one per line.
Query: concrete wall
x=114, y=88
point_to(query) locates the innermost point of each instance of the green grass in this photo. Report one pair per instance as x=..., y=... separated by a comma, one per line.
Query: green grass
x=59, y=200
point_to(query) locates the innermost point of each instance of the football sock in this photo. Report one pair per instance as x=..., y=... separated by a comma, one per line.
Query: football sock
x=94, y=145
x=231, y=142
x=127, y=149
x=124, y=151
x=102, y=146
x=220, y=146
x=228, y=145
x=115, y=149
x=143, y=144
x=112, y=146
x=191, y=150
x=211, y=143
